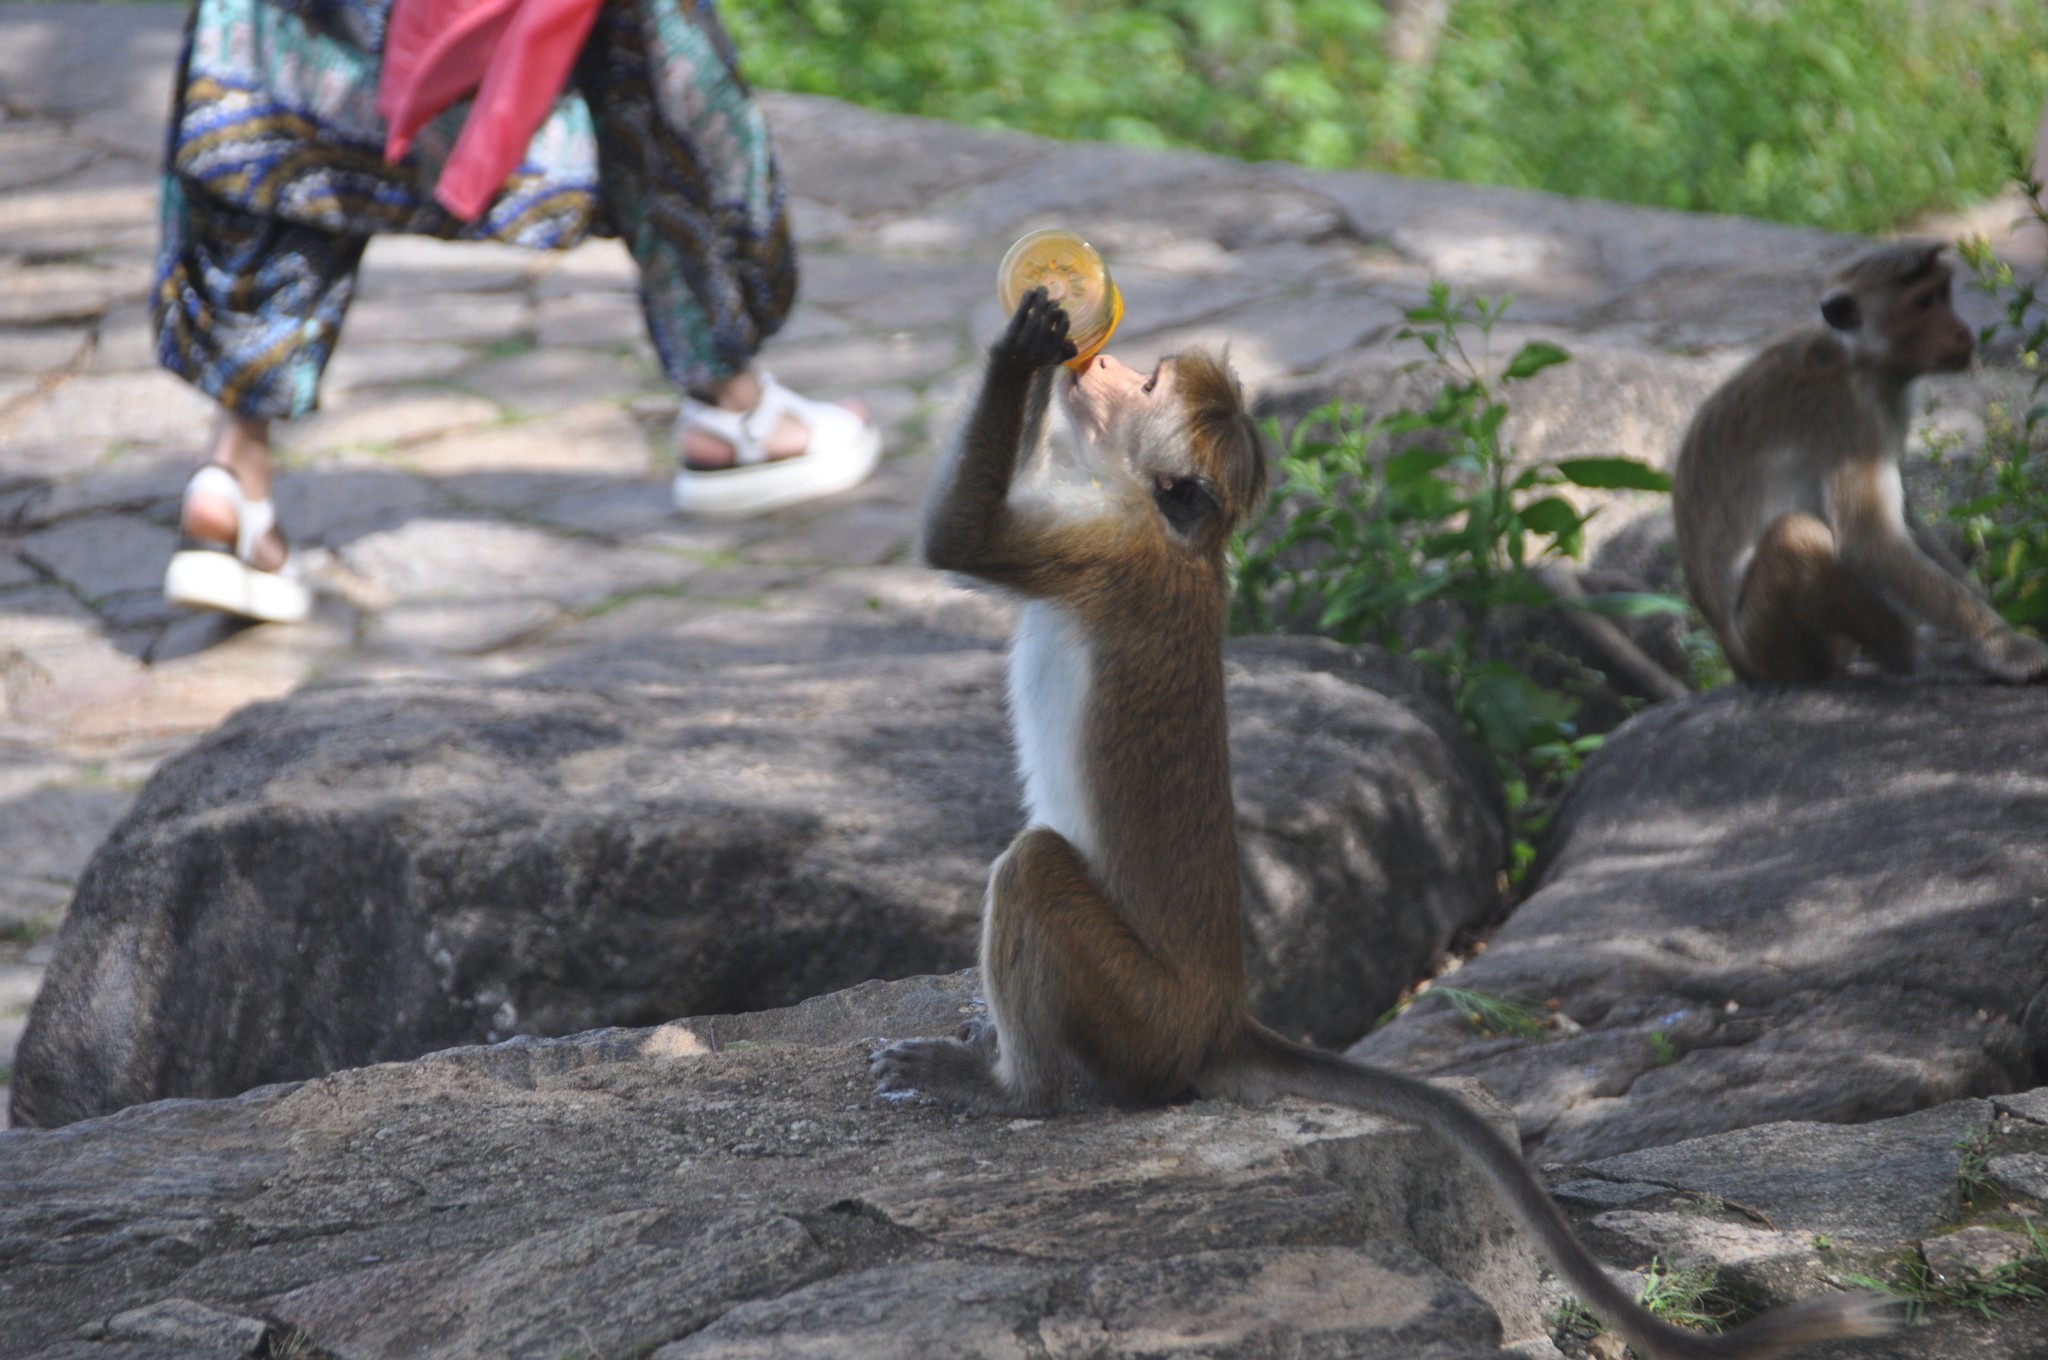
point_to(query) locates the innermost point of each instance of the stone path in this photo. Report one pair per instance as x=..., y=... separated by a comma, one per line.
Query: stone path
x=486, y=484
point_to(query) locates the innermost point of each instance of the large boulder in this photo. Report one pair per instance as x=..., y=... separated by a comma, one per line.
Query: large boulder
x=726, y=1187
x=360, y=873
x=1821, y=903
x=1934, y=1205
x=681, y=1191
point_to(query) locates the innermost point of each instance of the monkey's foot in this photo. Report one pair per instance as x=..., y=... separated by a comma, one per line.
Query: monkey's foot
x=979, y=1035
x=944, y=1069
x=2016, y=658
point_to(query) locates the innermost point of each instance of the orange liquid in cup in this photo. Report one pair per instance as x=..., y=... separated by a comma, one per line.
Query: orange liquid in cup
x=1072, y=275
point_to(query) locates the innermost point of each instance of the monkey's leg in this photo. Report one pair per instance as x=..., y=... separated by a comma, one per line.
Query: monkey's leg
x=1798, y=609
x=1065, y=980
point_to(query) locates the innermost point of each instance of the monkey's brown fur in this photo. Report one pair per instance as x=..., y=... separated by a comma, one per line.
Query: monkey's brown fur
x=1111, y=949
x=1791, y=516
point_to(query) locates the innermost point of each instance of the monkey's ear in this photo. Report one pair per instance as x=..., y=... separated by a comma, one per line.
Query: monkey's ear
x=1184, y=501
x=1839, y=310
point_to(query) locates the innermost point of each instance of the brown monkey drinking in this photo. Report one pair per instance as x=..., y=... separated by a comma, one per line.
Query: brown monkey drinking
x=1111, y=951
x=1793, y=528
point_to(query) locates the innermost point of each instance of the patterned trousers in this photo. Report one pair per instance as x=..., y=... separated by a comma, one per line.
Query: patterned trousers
x=275, y=181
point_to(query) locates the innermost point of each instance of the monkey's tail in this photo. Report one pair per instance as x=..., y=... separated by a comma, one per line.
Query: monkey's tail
x=1289, y=1068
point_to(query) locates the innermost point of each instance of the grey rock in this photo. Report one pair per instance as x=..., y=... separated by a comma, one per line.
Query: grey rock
x=90, y=412
x=470, y=627
x=39, y=349
x=1827, y=902
x=1683, y=1239
x=15, y=572
x=1610, y=399
x=186, y=1322
x=83, y=58
x=1348, y=1302
x=2029, y=1105
x=1688, y=278
x=2024, y=1173
x=103, y=555
x=1592, y=1193
x=474, y=560
x=1978, y=1252
x=360, y=873
x=46, y=836
x=1874, y=1184
x=630, y=1189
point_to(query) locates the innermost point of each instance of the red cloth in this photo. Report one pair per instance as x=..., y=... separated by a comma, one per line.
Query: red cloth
x=515, y=54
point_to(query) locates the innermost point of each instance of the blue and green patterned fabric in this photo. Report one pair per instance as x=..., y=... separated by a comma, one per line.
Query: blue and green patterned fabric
x=275, y=175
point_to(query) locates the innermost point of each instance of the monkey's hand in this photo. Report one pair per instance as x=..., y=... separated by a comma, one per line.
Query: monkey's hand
x=1036, y=338
x=2016, y=658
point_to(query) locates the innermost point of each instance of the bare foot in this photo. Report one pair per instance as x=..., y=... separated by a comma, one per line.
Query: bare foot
x=705, y=452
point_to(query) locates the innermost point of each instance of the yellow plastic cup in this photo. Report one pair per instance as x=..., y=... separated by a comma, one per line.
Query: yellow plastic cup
x=1074, y=276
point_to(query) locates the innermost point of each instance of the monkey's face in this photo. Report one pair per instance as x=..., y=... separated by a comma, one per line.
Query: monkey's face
x=1136, y=428
x=1924, y=319
x=1909, y=325
x=1107, y=393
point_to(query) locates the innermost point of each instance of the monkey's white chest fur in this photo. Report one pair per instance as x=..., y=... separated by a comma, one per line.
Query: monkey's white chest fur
x=1050, y=675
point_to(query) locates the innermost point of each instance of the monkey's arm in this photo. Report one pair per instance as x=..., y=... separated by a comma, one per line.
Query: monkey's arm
x=1879, y=545
x=971, y=525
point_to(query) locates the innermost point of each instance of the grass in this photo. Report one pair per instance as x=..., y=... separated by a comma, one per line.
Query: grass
x=22, y=934
x=1493, y=1016
x=1973, y=1154
x=1683, y=1296
x=1921, y=1290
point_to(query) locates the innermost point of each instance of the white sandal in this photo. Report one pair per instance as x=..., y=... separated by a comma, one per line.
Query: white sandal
x=207, y=575
x=843, y=450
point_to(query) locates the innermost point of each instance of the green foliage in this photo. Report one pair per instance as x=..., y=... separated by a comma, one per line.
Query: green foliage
x=2006, y=521
x=1850, y=114
x=1973, y=1157
x=1495, y=1017
x=1662, y=1049
x=1920, y=1289
x=1681, y=1295
x=1379, y=521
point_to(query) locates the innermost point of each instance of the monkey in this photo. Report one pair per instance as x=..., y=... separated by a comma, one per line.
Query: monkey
x=1793, y=528
x=1111, y=951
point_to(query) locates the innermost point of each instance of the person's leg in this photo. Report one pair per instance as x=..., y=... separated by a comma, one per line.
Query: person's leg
x=690, y=184
x=246, y=308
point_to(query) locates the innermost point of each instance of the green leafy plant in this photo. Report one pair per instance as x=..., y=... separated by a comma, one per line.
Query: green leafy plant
x=1973, y=1157
x=1920, y=1289
x=1662, y=1049
x=1493, y=1016
x=1770, y=108
x=1682, y=1296
x=2005, y=522
x=1381, y=524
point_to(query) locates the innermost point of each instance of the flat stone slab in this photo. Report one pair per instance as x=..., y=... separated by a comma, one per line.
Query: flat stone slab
x=366, y=872
x=1763, y=904
x=727, y=1186
x=680, y=1188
